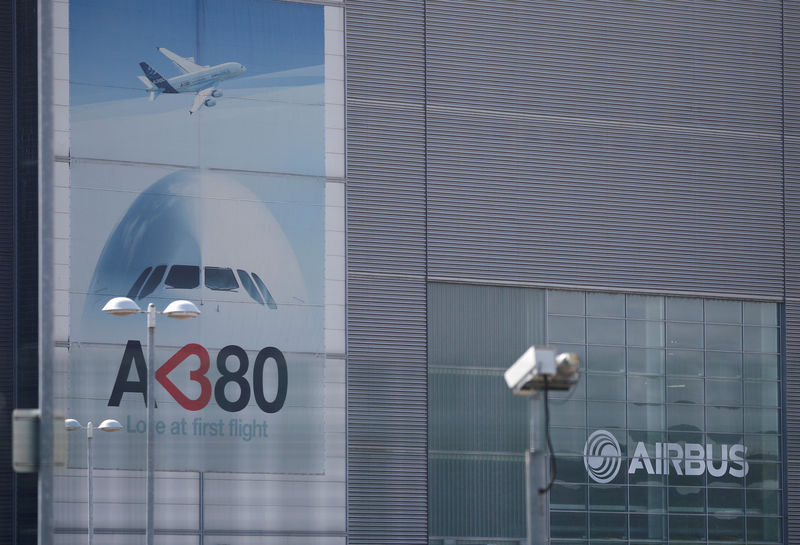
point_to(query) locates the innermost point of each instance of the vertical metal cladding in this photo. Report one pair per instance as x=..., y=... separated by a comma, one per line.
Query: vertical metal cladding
x=606, y=144
x=386, y=285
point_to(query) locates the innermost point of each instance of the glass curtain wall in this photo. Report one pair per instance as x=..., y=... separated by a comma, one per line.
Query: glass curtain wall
x=680, y=397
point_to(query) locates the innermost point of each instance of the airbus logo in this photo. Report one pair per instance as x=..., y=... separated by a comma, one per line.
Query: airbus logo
x=602, y=458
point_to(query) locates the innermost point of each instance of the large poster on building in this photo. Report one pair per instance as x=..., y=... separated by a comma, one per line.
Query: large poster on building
x=197, y=173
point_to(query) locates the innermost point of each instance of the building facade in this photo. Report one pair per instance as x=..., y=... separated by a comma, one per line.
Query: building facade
x=451, y=182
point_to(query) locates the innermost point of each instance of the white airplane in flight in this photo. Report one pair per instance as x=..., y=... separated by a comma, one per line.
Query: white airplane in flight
x=197, y=79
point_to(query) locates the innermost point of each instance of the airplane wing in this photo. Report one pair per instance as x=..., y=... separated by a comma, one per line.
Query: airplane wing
x=200, y=98
x=185, y=64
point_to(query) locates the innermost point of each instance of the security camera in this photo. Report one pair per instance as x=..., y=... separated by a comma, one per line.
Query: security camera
x=540, y=369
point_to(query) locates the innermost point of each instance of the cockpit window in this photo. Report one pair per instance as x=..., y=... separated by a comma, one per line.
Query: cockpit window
x=138, y=284
x=183, y=277
x=251, y=288
x=153, y=281
x=221, y=279
x=267, y=295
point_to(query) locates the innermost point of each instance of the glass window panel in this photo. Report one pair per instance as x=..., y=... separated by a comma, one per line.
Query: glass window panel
x=576, y=392
x=570, y=413
x=607, y=387
x=568, y=441
x=650, y=499
x=685, y=417
x=645, y=307
x=725, y=500
x=646, y=361
x=604, y=497
x=134, y=291
x=683, y=335
x=605, y=304
x=183, y=277
x=760, y=339
x=726, y=528
x=645, y=389
x=646, y=417
x=605, y=331
x=761, y=393
x=724, y=419
x=249, y=286
x=763, y=502
x=761, y=366
x=153, y=282
x=723, y=392
x=268, y=299
x=606, y=414
x=726, y=312
x=651, y=527
x=566, y=302
x=685, y=362
x=648, y=437
x=766, y=529
x=645, y=334
x=687, y=527
x=683, y=436
x=760, y=313
x=676, y=476
x=686, y=499
x=568, y=496
x=568, y=525
x=684, y=309
x=684, y=390
x=761, y=420
x=565, y=329
x=607, y=526
x=723, y=337
x=606, y=358
x=762, y=447
x=724, y=364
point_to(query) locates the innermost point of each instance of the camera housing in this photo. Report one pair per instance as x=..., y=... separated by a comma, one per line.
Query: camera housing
x=540, y=369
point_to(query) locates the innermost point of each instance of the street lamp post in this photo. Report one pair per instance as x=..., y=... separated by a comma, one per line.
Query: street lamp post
x=124, y=306
x=106, y=425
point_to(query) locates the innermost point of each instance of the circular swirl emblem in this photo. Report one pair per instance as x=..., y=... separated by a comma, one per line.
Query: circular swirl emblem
x=602, y=456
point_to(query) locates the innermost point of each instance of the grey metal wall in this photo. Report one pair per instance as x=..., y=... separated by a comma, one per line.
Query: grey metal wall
x=607, y=143
x=386, y=347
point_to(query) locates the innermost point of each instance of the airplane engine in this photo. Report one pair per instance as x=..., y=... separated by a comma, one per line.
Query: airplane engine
x=216, y=93
x=210, y=102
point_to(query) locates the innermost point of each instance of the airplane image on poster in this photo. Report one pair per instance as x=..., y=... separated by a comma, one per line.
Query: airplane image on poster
x=201, y=80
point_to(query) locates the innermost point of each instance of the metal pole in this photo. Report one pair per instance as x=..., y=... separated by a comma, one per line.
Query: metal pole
x=151, y=401
x=536, y=477
x=89, y=466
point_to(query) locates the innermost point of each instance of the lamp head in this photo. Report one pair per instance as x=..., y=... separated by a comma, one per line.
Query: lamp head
x=71, y=424
x=109, y=425
x=181, y=310
x=121, y=306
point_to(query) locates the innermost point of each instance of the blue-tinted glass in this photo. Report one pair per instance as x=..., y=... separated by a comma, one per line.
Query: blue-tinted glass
x=725, y=500
x=685, y=417
x=760, y=339
x=726, y=312
x=687, y=527
x=760, y=420
x=684, y=390
x=760, y=313
x=570, y=413
x=761, y=393
x=723, y=337
x=183, y=277
x=645, y=389
x=723, y=392
x=684, y=309
x=249, y=286
x=568, y=496
x=685, y=362
x=606, y=358
x=724, y=364
x=605, y=414
x=684, y=335
x=568, y=525
x=607, y=526
x=763, y=475
x=604, y=497
x=762, y=447
x=566, y=302
x=265, y=292
x=645, y=334
x=763, y=502
x=605, y=304
x=726, y=528
x=571, y=468
x=760, y=366
x=646, y=417
x=764, y=530
x=153, y=282
x=564, y=329
x=137, y=285
x=221, y=279
x=651, y=499
x=605, y=331
x=646, y=361
x=724, y=419
x=605, y=387
x=567, y=440
x=650, y=527
x=645, y=307
x=687, y=499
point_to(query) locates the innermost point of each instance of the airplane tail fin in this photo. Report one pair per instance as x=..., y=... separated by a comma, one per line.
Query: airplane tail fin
x=156, y=79
x=154, y=91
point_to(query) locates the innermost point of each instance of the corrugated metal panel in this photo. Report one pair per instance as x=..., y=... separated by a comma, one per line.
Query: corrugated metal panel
x=791, y=36
x=606, y=144
x=386, y=286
